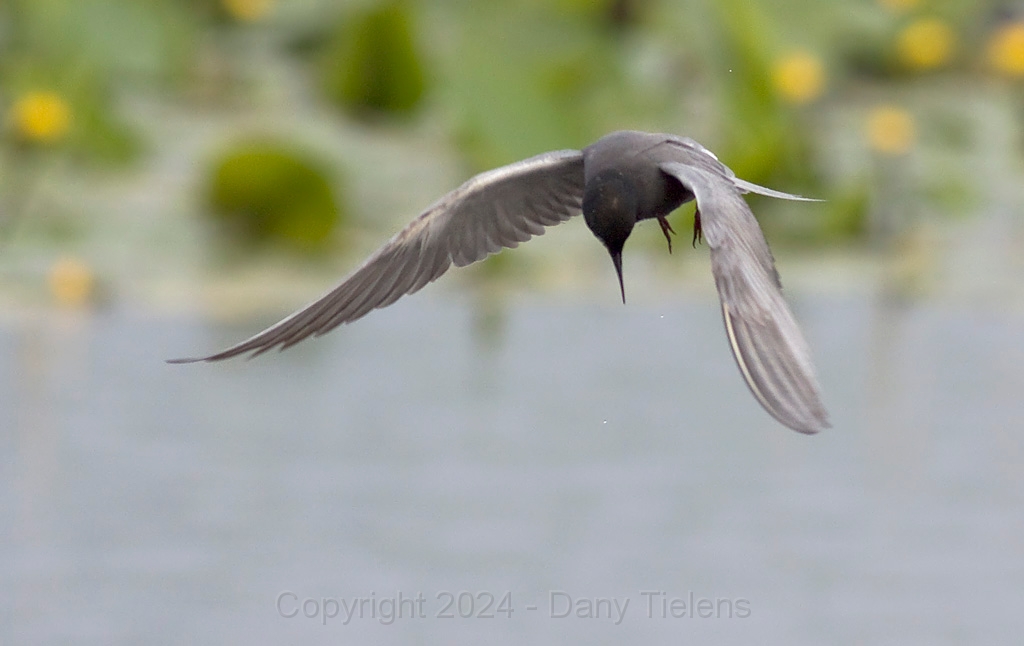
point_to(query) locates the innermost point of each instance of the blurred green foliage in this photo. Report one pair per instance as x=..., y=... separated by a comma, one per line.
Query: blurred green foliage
x=87, y=52
x=524, y=78
x=264, y=192
x=373, y=64
x=761, y=82
x=763, y=139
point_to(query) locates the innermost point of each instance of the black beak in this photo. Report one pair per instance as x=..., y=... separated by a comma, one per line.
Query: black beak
x=617, y=261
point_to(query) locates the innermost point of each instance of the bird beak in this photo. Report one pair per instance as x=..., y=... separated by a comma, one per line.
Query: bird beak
x=617, y=261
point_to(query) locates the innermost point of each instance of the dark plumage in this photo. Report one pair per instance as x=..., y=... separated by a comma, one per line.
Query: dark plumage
x=622, y=178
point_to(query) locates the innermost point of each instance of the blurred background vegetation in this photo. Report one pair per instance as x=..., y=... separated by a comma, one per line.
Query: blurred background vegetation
x=146, y=139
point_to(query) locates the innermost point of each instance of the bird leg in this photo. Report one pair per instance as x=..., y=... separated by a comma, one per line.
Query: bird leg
x=698, y=234
x=666, y=228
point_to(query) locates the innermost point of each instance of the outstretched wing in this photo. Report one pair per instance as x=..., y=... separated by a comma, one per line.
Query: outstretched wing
x=496, y=209
x=769, y=348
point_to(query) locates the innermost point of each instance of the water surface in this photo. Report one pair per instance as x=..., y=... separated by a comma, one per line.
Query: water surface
x=591, y=451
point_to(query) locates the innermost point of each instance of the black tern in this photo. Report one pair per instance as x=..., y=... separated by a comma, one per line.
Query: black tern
x=622, y=178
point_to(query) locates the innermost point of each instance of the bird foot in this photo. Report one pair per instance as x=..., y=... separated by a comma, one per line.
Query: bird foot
x=666, y=228
x=698, y=234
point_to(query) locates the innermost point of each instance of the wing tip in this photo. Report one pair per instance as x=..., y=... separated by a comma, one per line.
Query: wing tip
x=809, y=427
x=207, y=359
x=813, y=419
x=811, y=424
x=184, y=360
x=230, y=353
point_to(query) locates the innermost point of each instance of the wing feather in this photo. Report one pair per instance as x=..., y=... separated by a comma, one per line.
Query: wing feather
x=765, y=339
x=500, y=208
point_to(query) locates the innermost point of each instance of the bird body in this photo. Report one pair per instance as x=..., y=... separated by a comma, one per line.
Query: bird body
x=636, y=155
x=621, y=179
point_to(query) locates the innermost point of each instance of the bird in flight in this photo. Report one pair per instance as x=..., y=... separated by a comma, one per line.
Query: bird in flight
x=620, y=179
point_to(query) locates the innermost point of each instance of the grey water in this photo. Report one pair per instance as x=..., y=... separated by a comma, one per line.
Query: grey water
x=546, y=473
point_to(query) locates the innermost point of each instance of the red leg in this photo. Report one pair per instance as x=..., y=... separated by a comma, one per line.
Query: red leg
x=666, y=228
x=698, y=235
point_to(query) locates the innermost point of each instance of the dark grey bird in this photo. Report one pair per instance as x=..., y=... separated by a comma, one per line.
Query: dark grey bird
x=622, y=178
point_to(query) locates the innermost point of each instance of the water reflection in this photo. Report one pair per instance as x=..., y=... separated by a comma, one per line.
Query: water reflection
x=597, y=450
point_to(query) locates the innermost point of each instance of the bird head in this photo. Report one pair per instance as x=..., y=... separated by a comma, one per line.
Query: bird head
x=610, y=205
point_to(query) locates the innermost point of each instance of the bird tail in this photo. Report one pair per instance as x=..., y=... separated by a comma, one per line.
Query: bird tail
x=750, y=187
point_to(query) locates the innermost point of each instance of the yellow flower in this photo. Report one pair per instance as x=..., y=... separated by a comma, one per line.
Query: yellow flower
x=1006, y=49
x=41, y=116
x=890, y=130
x=71, y=282
x=248, y=10
x=925, y=44
x=799, y=77
x=899, y=5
